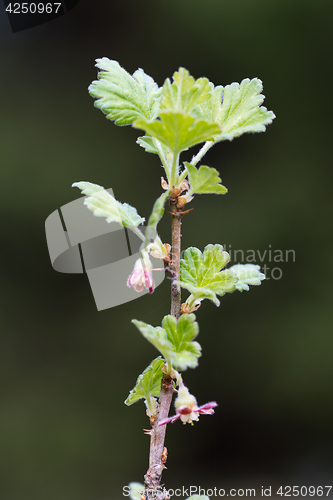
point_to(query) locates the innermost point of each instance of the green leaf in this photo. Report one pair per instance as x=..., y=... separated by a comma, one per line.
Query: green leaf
x=185, y=92
x=247, y=274
x=156, y=336
x=148, y=383
x=152, y=145
x=88, y=188
x=136, y=490
x=175, y=340
x=205, y=180
x=240, y=110
x=103, y=204
x=147, y=143
x=201, y=273
x=199, y=293
x=122, y=97
x=151, y=235
x=181, y=334
x=178, y=131
x=158, y=209
x=210, y=110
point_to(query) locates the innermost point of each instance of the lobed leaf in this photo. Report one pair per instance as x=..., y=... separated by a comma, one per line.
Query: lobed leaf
x=156, y=336
x=177, y=130
x=210, y=110
x=88, y=188
x=103, y=204
x=204, y=180
x=181, y=334
x=237, y=109
x=201, y=274
x=147, y=143
x=241, y=111
x=199, y=293
x=148, y=383
x=247, y=274
x=185, y=92
x=174, y=340
x=122, y=97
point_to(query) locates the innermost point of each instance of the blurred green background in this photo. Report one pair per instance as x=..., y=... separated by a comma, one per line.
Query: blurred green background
x=267, y=355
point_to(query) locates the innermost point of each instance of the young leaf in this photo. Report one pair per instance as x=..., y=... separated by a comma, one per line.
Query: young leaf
x=241, y=111
x=174, y=340
x=179, y=131
x=158, y=209
x=137, y=490
x=181, y=334
x=199, y=293
x=148, y=383
x=148, y=143
x=156, y=336
x=122, y=97
x=151, y=235
x=202, y=276
x=236, y=108
x=103, y=204
x=247, y=274
x=152, y=145
x=185, y=92
x=210, y=110
x=205, y=180
x=88, y=188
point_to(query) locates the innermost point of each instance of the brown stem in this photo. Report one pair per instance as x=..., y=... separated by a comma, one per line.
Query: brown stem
x=156, y=465
x=176, y=236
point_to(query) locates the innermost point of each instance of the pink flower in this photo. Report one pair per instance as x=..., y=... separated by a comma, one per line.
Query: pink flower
x=141, y=276
x=187, y=409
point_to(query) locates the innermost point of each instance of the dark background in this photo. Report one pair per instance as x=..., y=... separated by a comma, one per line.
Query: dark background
x=267, y=354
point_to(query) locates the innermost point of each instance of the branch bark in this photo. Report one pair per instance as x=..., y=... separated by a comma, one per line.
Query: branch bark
x=176, y=239
x=156, y=465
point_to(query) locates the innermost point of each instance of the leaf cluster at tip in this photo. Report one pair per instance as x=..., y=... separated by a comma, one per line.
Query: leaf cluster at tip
x=178, y=130
x=136, y=99
x=184, y=93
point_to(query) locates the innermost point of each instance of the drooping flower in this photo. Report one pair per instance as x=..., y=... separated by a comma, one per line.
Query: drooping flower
x=187, y=409
x=142, y=276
